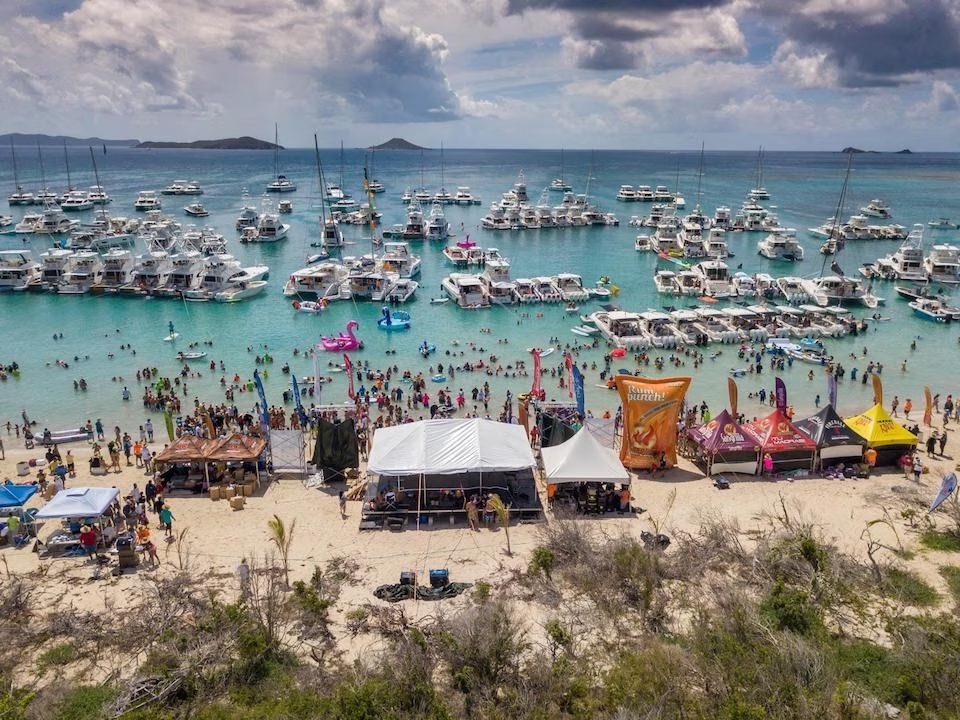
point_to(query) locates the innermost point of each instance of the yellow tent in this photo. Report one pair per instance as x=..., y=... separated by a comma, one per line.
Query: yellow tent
x=880, y=429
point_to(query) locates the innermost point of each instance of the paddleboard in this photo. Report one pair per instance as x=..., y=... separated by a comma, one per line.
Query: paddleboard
x=578, y=331
x=335, y=369
x=172, y=337
x=543, y=352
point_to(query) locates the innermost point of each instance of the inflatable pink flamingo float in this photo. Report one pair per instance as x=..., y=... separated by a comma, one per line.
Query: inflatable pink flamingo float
x=342, y=341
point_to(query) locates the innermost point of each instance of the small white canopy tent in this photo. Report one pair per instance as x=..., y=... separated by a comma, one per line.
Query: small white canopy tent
x=446, y=447
x=80, y=502
x=583, y=459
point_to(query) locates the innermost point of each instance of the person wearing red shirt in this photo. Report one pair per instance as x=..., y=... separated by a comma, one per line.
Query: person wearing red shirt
x=88, y=540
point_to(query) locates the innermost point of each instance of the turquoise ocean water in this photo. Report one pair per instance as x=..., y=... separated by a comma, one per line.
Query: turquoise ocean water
x=804, y=186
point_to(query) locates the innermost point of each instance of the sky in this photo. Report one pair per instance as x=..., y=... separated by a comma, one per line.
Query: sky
x=580, y=74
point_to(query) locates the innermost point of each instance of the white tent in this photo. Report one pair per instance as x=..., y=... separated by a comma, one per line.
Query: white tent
x=583, y=459
x=446, y=447
x=80, y=502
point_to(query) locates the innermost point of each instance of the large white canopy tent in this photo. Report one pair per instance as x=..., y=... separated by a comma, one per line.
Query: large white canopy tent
x=79, y=502
x=446, y=447
x=583, y=459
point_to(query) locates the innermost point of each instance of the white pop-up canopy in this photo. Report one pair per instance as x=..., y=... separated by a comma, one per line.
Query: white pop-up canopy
x=80, y=502
x=446, y=447
x=583, y=459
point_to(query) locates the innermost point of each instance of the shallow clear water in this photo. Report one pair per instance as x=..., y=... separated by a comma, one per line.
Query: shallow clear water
x=804, y=188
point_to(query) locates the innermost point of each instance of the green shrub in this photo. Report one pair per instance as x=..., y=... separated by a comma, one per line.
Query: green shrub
x=62, y=654
x=951, y=573
x=542, y=560
x=85, y=702
x=909, y=588
x=948, y=541
x=790, y=609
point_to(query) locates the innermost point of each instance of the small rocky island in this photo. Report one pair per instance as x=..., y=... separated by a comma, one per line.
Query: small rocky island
x=396, y=144
x=905, y=151
x=240, y=143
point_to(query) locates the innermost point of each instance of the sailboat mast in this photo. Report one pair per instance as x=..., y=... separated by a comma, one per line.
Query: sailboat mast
x=323, y=190
x=16, y=176
x=837, y=214
x=43, y=176
x=96, y=175
x=699, y=177
x=66, y=160
x=276, y=151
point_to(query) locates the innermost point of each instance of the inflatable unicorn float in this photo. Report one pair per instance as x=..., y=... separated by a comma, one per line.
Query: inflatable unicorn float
x=396, y=320
x=342, y=341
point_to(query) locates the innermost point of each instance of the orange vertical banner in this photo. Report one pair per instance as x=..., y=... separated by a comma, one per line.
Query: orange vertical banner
x=732, y=394
x=877, y=390
x=928, y=406
x=651, y=407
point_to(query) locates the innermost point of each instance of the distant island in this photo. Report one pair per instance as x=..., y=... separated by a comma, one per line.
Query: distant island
x=396, y=144
x=905, y=151
x=241, y=143
x=41, y=139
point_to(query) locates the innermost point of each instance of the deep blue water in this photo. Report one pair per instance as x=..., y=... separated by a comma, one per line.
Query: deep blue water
x=804, y=187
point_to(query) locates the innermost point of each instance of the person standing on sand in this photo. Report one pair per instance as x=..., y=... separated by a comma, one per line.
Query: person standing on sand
x=243, y=573
x=148, y=426
x=943, y=441
x=342, y=498
x=917, y=467
x=894, y=404
x=473, y=519
x=907, y=407
x=166, y=521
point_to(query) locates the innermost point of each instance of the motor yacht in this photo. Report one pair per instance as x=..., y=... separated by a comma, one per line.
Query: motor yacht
x=118, y=270
x=463, y=196
x=370, y=283
x=188, y=268
x=716, y=278
x=76, y=201
x=55, y=264
x=147, y=200
x=627, y=193
x=403, y=290
x=715, y=245
x=18, y=269
x=196, y=209
x=20, y=197
x=666, y=238
x=621, y=328
x=151, y=273
x=28, y=224
x=645, y=194
x=906, y=262
x=319, y=281
x=716, y=326
x=281, y=184
x=99, y=196
x=240, y=291
x=781, y=244
x=437, y=226
x=53, y=221
x=525, y=291
x=643, y=243
x=248, y=217
x=665, y=282
x=270, y=228
x=85, y=271
x=659, y=328
x=571, y=287
x=285, y=207
x=496, y=278
x=877, y=208
x=397, y=258
x=942, y=264
x=838, y=289
x=547, y=290
x=467, y=291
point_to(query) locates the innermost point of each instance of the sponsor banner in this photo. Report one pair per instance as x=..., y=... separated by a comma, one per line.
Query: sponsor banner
x=651, y=407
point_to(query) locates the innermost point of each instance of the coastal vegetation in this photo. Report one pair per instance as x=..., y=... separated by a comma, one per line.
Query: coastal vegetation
x=774, y=622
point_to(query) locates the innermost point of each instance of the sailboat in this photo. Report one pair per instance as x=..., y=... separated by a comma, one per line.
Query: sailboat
x=558, y=184
x=280, y=184
x=97, y=195
x=73, y=199
x=18, y=196
x=758, y=191
x=374, y=185
x=838, y=288
x=45, y=196
x=330, y=234
x=443, y=197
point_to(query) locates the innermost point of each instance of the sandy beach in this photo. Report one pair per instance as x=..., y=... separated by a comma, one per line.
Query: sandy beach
x=218, y=537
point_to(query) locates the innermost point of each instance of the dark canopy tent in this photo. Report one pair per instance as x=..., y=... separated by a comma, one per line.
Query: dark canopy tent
x=336, y=449
x=789, y=448
x=723, y=446
x=836, y=441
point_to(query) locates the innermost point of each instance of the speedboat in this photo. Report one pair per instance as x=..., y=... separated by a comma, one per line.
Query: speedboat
x=547, y=290
x=241, y=291
x=196, y=210
x=943, y=224
x=285, y=207
x=665, y=282
x=463, y=196
x=571, y=287
x=933, y=309
x=147, y=200
x=270, y=229
x=402, y=290
x=525, y=290
x=621, y=328
x=17, y=270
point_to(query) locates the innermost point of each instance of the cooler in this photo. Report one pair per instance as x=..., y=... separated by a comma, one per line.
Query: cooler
x=408, y=577
x=439, y=578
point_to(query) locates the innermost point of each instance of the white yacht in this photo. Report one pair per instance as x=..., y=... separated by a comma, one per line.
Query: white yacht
x=370, y=283
x=331, y=236
x=241, y=290
x=643, y=243
x=53, y=221
x=99, y=196
x=467, y=291
x=627, y=193
x=716, y=278
x=792, y=288
x=781, y=244
x=415, y=227
x=270, y=228
x=547, y=290
x=152, y=272
x=319, y=281
x=716, y=326
x=55, y=264
x=118, y=270
x=942, y=264
x=645, y=194
x=666, y=238
x=174, y=188
x=659, y=329
x=437, y=226
x=621, y=328
x=147, y=200
x=721, y=218
x=17, y=270
x=877, y=208
x=495, y=219
x=715, y=244
x=403, y=289
x=75, y=201
x=496, y=277
x=86, y=270
x=248, y=217
x=690, y=282
x=20, y=197
x=464, y=254
x=186, y=273
x=571, y=287
x=906, y=262
x=665, y=282
x=397, y=258
x=839, y=288
x=525, y=291
x=281, y=184
x=463, y=196
x=27, y=224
